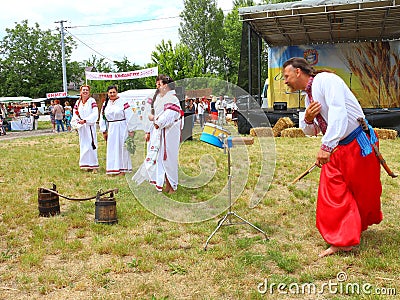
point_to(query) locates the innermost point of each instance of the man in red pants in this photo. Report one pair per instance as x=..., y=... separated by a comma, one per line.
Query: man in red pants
x=350, y=187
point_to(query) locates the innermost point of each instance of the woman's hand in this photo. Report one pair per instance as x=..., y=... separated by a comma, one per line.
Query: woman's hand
x=151, y=117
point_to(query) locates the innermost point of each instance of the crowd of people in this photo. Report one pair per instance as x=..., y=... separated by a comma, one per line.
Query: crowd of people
x=12, y=111
x=60, y=115
x=213, y=110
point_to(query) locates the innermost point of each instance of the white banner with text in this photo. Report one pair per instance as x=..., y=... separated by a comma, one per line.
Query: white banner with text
x=122, y=75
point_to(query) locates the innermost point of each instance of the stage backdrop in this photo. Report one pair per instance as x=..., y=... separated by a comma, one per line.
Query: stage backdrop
x=370, y=69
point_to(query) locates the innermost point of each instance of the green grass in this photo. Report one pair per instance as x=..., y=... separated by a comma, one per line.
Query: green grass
x=69, y=256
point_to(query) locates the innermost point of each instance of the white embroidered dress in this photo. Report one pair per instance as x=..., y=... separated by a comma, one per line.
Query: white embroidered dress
x=87, y=132
x=163, y=149
x=119, y=117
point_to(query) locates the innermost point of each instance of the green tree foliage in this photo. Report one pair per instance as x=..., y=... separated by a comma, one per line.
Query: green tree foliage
x=30, y=61
x=201, y=30
x=243, y=3
x=277, y=1
x=75, y=72
x=177, y=62
x=130, y=84
x=96, y=64
x=232, y=41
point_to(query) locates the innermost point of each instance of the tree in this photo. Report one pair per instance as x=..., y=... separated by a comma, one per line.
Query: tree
x=233, y=39
x=177, y=62
x=131, y=84
x=30, y=61
x=201, y=30
x=243, y=3
x=98, y=65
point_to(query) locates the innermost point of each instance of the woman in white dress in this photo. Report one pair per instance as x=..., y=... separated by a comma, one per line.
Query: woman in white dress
x=85, y=115
x=166, y=121
x=116, y=124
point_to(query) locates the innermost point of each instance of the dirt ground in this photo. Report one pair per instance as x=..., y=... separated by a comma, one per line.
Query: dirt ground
x=20, y=134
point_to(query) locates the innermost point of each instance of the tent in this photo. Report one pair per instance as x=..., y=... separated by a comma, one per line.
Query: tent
x=14, y=99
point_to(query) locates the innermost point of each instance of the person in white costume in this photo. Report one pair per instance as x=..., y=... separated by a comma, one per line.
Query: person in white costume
x=163, y=132
x=116, y=123
x=85, y=114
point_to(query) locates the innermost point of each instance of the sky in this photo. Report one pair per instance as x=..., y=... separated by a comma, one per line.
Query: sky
x=137, y=25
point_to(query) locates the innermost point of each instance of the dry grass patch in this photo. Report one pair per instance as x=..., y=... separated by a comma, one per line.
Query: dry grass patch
x=386, y=134
x=282, y=124
x=292, y=133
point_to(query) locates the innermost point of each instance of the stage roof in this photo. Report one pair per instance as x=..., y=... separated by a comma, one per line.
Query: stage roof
x=323, y=21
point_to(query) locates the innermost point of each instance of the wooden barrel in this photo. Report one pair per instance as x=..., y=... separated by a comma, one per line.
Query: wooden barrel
x=106, y=210
x=49, y=204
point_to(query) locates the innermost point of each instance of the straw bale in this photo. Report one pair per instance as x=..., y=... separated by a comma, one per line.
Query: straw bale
x=281, y=124
x=261, y=132
x=386, y=134
x=292, y=132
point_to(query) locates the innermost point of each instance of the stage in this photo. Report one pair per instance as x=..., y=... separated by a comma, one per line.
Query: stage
x=377, y=118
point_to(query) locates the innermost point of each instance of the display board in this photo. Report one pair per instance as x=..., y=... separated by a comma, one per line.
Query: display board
x=22, y=124
x=370, y=69
x=137, y=100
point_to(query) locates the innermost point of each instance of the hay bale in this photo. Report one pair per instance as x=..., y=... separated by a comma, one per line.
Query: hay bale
x=281, y=124
x=261, y=132
x=386, y=134
x=292, y=133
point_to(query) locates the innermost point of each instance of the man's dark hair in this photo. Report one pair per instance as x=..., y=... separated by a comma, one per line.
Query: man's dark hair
x=302, y=64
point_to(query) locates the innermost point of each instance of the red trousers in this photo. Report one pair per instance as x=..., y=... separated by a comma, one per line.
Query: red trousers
x=348, y=195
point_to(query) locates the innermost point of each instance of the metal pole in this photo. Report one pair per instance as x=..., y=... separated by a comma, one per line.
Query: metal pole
x=64, y=68
x=259, y=50
x=231, y=213
x=249, y=61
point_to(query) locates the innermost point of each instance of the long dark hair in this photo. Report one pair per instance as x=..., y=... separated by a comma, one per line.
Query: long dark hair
x=167, y=80
x=104, y=107
x=111, y=87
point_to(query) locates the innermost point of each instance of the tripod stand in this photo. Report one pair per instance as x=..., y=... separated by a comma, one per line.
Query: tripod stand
x=230, y=214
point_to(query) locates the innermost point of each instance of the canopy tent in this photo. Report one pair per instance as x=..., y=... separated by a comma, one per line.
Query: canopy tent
x=38, y=100
x=324, y=21
x=15, y=99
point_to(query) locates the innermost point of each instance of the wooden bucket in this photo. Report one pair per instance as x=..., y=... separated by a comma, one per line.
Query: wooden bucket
x=106, y=210
x=49, y=204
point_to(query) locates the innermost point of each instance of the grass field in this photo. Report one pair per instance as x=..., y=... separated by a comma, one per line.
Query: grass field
x=69, y=256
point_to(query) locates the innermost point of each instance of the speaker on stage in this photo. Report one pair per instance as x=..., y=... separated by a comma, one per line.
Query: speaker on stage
x=180, y=93
x=251, y=118
x=243, y=124
x=280, y=105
